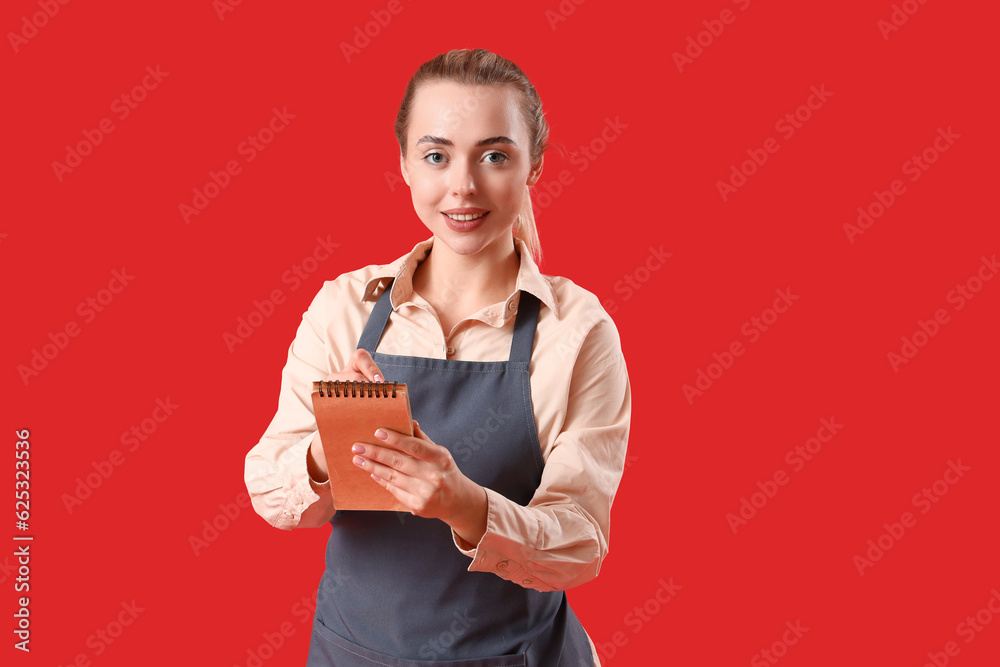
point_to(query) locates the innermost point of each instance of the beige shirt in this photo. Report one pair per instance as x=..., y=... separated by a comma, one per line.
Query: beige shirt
x=579, y=394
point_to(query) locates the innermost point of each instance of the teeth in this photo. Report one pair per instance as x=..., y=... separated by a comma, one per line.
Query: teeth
x=464, y=218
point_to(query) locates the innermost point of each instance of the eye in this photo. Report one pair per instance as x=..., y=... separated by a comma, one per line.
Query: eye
x=430, y=158
x=501, y=158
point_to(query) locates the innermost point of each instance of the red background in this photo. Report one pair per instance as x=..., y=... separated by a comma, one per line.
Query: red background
x=331, y=172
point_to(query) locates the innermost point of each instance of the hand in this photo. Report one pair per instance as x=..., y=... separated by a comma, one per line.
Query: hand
x=360, y=366
x=424, y=477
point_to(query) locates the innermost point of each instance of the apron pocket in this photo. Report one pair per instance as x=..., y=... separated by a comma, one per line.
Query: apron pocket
x=328, y=649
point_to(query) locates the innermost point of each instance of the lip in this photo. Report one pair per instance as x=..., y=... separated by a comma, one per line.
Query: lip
x=468, y=225
x=465, y=211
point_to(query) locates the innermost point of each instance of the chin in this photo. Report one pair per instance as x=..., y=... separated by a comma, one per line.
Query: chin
x=465, y=244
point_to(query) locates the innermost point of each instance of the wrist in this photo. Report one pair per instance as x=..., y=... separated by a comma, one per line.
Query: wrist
x=316, y=462
x=470, y=522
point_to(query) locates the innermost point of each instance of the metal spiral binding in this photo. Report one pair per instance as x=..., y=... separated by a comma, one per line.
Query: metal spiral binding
x=362, y=388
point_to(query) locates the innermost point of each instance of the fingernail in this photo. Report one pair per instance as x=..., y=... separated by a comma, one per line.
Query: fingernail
x=381, y=435
x=358, y=461
x=378, y=378
x=358, y=449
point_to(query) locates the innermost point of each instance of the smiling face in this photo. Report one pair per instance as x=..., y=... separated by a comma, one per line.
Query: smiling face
x=467, y=163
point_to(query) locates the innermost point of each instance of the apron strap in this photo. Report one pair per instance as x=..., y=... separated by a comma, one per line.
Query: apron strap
x=524, y=327
x=520, y=345
x=377, y=321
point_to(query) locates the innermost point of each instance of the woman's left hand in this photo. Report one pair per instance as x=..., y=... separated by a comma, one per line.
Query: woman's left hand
x=424, y=477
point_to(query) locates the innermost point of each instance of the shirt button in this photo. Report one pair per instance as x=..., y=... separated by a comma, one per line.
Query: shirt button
x=511, y=306
x=502, y=565
x=450, y=350
x=528, y=582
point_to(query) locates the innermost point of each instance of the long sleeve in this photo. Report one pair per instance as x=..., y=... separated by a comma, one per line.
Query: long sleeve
x=560, y=539
x=275, y=469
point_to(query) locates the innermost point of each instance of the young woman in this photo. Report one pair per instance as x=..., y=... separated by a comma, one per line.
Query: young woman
x=519, y=393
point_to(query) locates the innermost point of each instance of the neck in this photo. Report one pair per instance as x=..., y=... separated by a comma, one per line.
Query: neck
x=486, y=277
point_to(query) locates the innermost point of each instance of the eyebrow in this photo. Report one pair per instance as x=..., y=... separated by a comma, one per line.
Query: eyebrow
x=428, y=139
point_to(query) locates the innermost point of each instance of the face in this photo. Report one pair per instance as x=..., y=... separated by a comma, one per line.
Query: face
x=467, y=163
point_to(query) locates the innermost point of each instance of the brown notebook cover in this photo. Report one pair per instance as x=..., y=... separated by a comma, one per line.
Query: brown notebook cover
x=349, y=412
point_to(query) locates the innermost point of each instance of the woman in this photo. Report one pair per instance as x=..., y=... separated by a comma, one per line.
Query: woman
x=520, y=399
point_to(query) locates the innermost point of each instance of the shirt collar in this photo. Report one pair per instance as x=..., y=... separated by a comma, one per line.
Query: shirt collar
x=529, y=278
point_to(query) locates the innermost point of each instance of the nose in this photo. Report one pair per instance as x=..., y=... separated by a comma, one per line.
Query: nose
x=461, y=179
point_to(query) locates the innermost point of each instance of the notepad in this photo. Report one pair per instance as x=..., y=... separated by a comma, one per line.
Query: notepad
x=348, y=412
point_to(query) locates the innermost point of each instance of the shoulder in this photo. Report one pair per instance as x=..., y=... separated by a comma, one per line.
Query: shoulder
x=354, y=287
x=367, y=283
x=580, y=326
x=353, y=284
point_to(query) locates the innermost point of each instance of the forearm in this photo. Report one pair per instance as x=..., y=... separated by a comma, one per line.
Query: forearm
x=549, y=547
x=278, y=481
x=469, y=523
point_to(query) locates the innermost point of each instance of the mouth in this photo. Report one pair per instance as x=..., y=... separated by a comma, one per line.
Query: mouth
x=464, y=219
x=465, y=214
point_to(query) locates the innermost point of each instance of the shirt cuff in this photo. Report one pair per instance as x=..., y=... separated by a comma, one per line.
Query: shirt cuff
x=503, y=550
x=301, y=493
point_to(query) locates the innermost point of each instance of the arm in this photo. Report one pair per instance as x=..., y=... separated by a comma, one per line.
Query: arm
x=285, y=472
x=561, y=537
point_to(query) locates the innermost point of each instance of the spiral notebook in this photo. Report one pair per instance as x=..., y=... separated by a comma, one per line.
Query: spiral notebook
x=348, y=412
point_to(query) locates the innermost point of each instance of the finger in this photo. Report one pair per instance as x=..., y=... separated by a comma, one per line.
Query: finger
x=419, y=448
x=408, y=500
x=385, y=457
x=363, y=363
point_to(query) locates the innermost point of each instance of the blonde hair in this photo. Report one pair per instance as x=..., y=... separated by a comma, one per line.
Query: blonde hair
x=479, y=67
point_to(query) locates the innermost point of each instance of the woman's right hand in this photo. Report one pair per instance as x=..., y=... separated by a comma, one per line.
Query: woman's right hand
x=360, y=366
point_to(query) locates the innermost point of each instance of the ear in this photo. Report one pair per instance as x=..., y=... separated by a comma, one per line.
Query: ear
x=536, y=172
x=402, y=169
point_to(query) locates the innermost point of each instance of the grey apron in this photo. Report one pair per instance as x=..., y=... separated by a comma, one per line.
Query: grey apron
x=396, y=591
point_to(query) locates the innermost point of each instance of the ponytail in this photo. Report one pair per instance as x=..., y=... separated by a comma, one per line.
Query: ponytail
x=525, y=229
